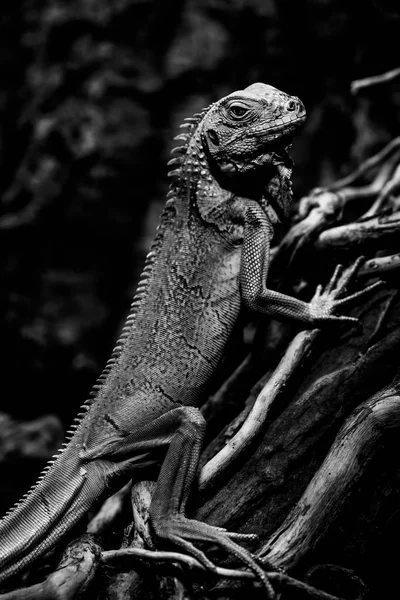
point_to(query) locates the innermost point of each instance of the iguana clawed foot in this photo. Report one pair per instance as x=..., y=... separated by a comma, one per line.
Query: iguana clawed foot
x=326, y=301
x=182, y=532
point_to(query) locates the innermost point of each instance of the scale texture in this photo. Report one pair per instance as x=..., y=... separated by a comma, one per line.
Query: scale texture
x=230, y=179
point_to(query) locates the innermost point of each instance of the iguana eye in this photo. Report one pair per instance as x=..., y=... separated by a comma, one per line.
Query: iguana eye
x=238, y=111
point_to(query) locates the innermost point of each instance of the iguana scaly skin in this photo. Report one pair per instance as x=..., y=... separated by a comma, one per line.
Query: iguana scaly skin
x=210, y=256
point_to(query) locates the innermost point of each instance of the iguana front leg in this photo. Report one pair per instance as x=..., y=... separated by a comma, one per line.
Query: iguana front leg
x=253, y=276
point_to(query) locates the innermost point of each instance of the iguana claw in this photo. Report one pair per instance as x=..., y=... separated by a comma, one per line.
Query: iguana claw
x=326, y=301
x=181, y=531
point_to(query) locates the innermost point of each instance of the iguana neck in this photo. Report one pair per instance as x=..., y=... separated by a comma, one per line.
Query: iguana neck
x=198, y=195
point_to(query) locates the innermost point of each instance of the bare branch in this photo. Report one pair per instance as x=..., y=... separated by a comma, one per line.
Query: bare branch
x=294, y=357
x=359, y=84
x=354, y=234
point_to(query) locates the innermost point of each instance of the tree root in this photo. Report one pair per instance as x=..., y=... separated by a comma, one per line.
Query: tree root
x=73, y=577
x=356, y=445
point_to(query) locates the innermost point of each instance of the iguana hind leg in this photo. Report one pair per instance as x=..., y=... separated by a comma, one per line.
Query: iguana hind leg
x=167, y=509
x=181, y=431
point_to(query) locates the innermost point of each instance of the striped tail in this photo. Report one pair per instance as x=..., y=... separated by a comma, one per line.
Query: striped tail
x=63, y=494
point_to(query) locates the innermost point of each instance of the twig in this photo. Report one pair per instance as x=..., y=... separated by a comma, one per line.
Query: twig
x=354, y=234
x=319, y=210
x=280, y=579
x=359, y=84
x=296, y=353
x=122, y=584
x=380, y=265
x=391, y=188
x=367, y=165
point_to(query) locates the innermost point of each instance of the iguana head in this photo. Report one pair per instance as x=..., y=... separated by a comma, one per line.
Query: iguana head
x=245, y=136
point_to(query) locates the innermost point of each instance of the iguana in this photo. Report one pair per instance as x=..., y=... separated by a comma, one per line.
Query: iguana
x=210, y=256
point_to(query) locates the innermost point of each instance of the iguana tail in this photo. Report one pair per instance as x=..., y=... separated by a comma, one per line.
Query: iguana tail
x=63, y=494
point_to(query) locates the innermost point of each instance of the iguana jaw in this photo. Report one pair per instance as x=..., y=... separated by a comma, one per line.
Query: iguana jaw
x=282, y=134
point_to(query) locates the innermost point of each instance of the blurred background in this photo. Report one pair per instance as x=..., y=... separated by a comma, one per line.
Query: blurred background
x=92, y=93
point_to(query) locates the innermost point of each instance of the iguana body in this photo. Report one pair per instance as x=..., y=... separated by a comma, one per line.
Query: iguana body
x=210, y=255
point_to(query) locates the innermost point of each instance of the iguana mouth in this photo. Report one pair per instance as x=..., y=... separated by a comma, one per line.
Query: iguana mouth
x=285, y=126
x=276, y=136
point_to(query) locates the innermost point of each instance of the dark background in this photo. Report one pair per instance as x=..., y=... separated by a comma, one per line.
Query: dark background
x=92, y=93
